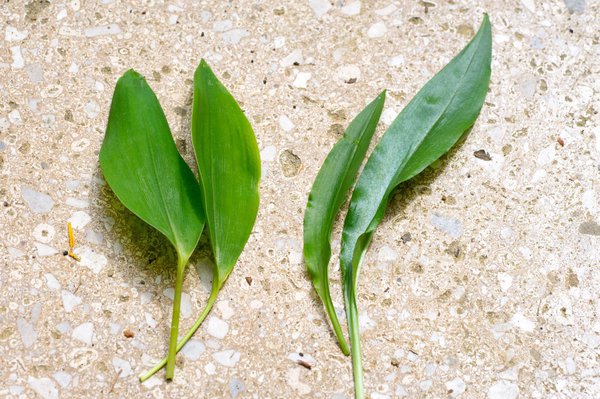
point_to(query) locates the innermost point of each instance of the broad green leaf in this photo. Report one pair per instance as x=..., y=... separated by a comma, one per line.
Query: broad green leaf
x=426, y=129
x=229, y=169
x=327, y=195
x=141, y=164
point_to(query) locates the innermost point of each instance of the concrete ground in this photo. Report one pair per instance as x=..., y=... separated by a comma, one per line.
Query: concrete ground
x=483, y=280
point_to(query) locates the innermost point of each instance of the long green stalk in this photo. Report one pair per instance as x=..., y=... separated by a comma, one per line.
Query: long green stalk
x=354, y=333
x=209, y=305
x=326, y=298
x=175, y=319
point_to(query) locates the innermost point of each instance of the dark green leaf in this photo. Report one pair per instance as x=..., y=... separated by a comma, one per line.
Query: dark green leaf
x=426, y=129
x=327, y=195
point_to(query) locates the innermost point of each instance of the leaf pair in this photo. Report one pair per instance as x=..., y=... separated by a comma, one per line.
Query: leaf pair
x=141, y=164
x=426, y=129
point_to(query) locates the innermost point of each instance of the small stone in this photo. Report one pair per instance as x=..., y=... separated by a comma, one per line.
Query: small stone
x=91, y=259
x=77, y=203
x=52, y=282
x=28, y=334
x=385, y=11
x=193, y=350
x=43, y=232
x=227, y=358
x=294, y=58
x=377, y=30
x=45, y=250
x=96, y=31
x=575, y=6
x=91, y=109
x=351, y=8
x=122, y=366
x=79, y=220
x=320, y=7
x=483, y=155
x=128, y=333
x=396, y=61
x=448, y=225
x=285, y=123
x=589, y=228
x=44, y=387
x=301, y=80
x=63, y=379
x=348, y=73
x=70, y=301
x=234, y=36
x=236, y=387
x=15, y=253
x=186, y=303
x=17, y=56
x=36, y=201
x=217, y=327
x=84, y=333
x=222, y=26
x=505, y=281
x=387, y=254
x=12, y=34
x=268, y=153
x=455, y=387
x=503, y=390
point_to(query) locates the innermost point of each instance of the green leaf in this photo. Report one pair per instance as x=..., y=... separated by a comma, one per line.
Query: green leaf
x=327, y=195
x=141, y=164
x=426, y=129
x=229, y=168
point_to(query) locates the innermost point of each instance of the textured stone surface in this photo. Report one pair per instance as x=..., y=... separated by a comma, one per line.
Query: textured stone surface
x=481, y=282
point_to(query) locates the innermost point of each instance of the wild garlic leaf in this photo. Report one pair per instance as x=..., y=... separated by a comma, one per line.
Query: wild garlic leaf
x=327, y=195
x=427, y=128
x=142, y=166
x=229, y=168
x=229, y=172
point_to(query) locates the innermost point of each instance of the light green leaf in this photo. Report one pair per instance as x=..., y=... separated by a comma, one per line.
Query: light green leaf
x=141, y=164
x=327, y=195
x=426, y=129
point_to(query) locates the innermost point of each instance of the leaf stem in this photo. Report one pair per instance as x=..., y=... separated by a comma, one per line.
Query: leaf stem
x=211, y=301
x=326, y=298
x=175, y=320
x=354, y=333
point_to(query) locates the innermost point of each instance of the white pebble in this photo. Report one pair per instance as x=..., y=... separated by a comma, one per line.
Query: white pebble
x=79, y=220
x=222, y=26
x=448, y=225
x=301, y=80
x=227, y=358
x=193, y=350
x=226, y=310
x=386, y=10
x=112, y=29
x=456, y=387
x=91, y=259
x=44, y=387
x=91, y=109
x=234, y=36
x=505, y=281
x=186, y=303
x=348, y=73
x=150, y=320
x=84, y=333
x=14, y=117
x=77, y=203
x=217, y=327
x=396, y=61
x=63, y=378
x=152, y=382
x=123, y=366
x=546, y=156
x=520, y=321
x=45, y=250
x=294, y=57
x=387, y=254
x=268, y=153
x=388, y=116
x=529, y=4
x=285, y=123
x=589, y=200
x=36, y=201
x=365, y=322
x=377, y=30
x=44, y=232
x=95, y=237
x=12, y=34
x=279, y=42
x=351, y=9
x=590, y=339
x=320, y=7
x=28, y=334
x=503, y=390
x=15, y=253
x=62, y=14
x=70, y=301
x=210, y=369
x=52, y=282
x=17, y=56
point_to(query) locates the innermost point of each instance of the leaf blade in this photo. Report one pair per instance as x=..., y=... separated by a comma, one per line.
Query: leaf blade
x=229, y=167
x=328, y=193
x=142, y=166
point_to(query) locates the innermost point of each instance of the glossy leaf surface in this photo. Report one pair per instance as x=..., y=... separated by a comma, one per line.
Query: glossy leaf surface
x=142, y=166
x=426, y=128
x=329, y=191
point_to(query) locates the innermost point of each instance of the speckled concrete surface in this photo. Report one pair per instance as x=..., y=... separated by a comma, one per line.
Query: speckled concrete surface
x=482, y=281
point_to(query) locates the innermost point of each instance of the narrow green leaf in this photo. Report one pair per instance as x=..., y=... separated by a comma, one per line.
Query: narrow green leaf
x=229, y=168
x=141, y=164
x=426, y=129
x=327, y=195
